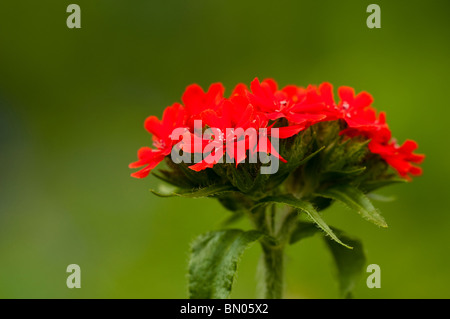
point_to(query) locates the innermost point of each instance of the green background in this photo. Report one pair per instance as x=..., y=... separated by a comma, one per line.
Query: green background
x=72, y=106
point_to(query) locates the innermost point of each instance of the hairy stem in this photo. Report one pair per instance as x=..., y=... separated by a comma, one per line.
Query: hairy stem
x=273, y=263
x=277, y=223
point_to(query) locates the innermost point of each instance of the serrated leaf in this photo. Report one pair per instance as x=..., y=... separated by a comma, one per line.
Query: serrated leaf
x=195, y=193
x=307, y=208
x=214, y=260
x=350, y=263
x=356, y=200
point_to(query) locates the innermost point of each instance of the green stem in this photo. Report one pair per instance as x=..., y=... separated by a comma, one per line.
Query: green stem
x=273, y=263
x=278, y=224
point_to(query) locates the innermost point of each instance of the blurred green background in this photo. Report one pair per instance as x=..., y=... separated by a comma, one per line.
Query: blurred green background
x=72, y=106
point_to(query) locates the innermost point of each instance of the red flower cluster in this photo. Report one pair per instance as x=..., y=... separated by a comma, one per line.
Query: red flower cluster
x=260, y=107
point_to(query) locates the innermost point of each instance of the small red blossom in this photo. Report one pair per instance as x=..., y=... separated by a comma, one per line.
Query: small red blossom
x=291, y=102
x=174, y=117
x=196, y=101
x=360, y=117
x=400, y=157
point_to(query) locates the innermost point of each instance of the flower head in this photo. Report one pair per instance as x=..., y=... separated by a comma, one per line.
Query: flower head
x=291, y=110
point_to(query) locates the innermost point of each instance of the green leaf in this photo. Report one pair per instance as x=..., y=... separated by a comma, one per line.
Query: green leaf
x=339, y=174
x=303, y=230
x=305, y=207
x=165, y=190
x=194, y=193
x=172, y=178
x=350, y=263
x=296, y=162
x=376, y=184
x=241, y=177
x=214, y=259
x=381, y=198
x=196, y=178
x=356, y=200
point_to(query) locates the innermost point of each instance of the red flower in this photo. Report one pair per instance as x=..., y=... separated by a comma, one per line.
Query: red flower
x=267, y=99
x=399, y=157
x=237, y=111
x=360, y=117
x=309, y=106
x=196, y=101
x=291, y=102
x=173, y=117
